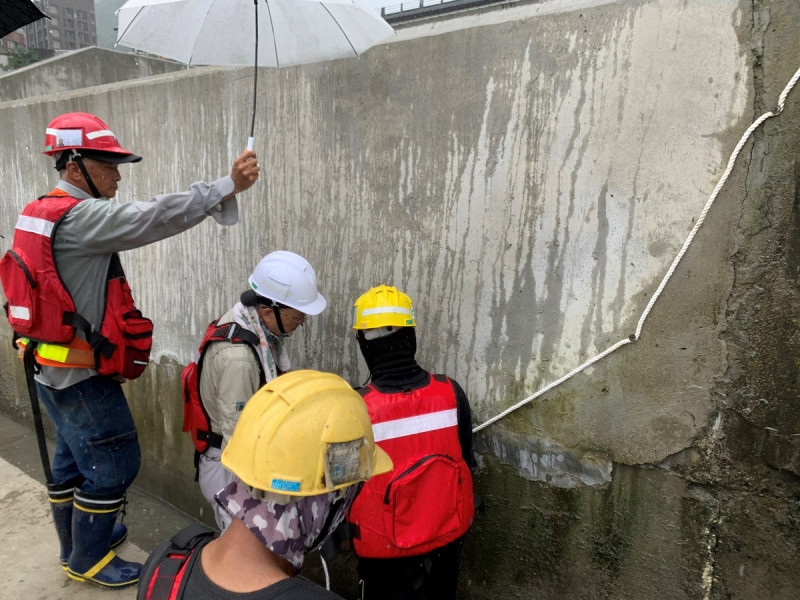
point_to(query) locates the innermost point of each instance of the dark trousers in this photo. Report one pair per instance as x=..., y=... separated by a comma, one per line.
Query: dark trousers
x=431, y=576
x=97, y=446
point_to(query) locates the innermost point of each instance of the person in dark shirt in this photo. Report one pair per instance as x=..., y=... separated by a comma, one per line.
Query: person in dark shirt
x=299, y=452
x=423, y=421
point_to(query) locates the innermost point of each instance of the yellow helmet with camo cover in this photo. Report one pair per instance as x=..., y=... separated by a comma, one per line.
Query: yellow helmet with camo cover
x=304, y=433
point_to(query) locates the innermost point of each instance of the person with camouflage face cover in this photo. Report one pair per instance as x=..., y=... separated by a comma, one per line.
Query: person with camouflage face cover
x=288, y=527
x=300, y=452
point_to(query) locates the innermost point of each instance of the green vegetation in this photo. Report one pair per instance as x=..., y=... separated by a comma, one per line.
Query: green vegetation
x=21, y=57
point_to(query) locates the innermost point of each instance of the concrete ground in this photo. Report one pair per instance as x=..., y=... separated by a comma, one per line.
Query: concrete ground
x=29, y=548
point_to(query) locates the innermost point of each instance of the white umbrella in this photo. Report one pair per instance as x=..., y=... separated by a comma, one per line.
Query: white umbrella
x=234, y=32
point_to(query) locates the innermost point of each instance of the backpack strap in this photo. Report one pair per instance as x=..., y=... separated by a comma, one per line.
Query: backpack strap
x=167, y=571
x=236, y=334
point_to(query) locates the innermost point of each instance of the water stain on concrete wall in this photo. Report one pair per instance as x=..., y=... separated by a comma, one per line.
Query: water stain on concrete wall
x=527, y=182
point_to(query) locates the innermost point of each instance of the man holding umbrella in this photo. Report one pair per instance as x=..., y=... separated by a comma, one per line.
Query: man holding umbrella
x=70, y=303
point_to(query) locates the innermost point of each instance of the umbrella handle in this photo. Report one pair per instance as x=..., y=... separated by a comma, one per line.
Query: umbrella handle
x=255, y=81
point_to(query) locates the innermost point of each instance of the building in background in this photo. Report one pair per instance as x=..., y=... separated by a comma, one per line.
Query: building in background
x=71, y=26
x=14, y=40
x=12, y=43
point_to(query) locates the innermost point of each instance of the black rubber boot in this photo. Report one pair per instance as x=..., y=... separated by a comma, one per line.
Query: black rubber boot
x=92, y=560
x=61, y=507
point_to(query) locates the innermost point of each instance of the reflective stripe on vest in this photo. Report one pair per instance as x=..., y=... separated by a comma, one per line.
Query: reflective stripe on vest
x=389, y=430
x=19, y=312
x=35, y=225
x=78, y=354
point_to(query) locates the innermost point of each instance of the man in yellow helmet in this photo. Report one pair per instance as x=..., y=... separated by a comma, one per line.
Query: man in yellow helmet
x=407, y=526
x=300, y=451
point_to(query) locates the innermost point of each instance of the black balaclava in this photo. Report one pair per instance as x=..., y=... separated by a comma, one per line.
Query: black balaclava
x=390, y=360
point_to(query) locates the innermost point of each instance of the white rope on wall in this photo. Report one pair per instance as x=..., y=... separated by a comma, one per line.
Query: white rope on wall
x=635, y=336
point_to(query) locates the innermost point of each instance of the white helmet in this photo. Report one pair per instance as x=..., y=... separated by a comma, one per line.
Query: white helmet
x=289, y=279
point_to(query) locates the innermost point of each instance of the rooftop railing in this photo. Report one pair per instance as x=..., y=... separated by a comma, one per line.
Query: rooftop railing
x=407, y=11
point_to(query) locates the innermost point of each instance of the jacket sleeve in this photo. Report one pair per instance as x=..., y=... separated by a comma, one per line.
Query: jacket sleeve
x=464, y=413
x=105, y=226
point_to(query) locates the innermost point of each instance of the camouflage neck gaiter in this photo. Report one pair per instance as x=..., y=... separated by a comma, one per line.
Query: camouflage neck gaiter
x=290, y=526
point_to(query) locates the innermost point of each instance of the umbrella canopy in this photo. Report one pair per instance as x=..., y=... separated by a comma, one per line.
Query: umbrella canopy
x=223, y=32
x=227, y=32
x=17, y=13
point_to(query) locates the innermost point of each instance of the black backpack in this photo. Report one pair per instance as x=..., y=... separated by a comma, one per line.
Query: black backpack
x=167, y=569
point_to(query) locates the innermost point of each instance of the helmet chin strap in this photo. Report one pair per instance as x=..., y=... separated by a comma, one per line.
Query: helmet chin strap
x=78, y=160
x=276, y=310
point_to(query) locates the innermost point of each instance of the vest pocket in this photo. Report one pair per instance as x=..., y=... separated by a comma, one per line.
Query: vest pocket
x=421, y=502
x=137, y=336
x=18, y=285
x=130, y=335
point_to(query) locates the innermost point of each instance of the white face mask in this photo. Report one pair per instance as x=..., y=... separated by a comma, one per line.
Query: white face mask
x=379, y=332
x=290, y=526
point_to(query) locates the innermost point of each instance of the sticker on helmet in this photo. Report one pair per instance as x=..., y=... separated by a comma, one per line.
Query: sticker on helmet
x=344, y=462
x=285, y=485
x=68, y=137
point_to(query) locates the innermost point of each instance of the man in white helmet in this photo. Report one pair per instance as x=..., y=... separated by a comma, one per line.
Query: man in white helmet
x=283, y=291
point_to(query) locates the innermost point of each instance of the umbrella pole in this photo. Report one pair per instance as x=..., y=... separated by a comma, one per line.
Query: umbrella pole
x=255, y=84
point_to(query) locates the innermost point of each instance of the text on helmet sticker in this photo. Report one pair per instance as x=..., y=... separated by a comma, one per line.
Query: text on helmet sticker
x=285, y=485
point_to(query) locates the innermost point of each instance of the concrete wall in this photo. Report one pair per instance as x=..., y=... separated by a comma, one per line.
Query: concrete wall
x=79, y=70
x=527, y=174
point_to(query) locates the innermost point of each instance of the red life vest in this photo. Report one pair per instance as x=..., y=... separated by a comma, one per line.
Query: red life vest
x=195, y=416
x=426, y=501
x=41, y=308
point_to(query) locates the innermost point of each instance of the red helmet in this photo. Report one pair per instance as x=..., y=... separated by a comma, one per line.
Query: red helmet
x=82, y=131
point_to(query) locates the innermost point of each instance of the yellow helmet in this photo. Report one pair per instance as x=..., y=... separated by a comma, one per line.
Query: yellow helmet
x=383, y=306
x=304, y=433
